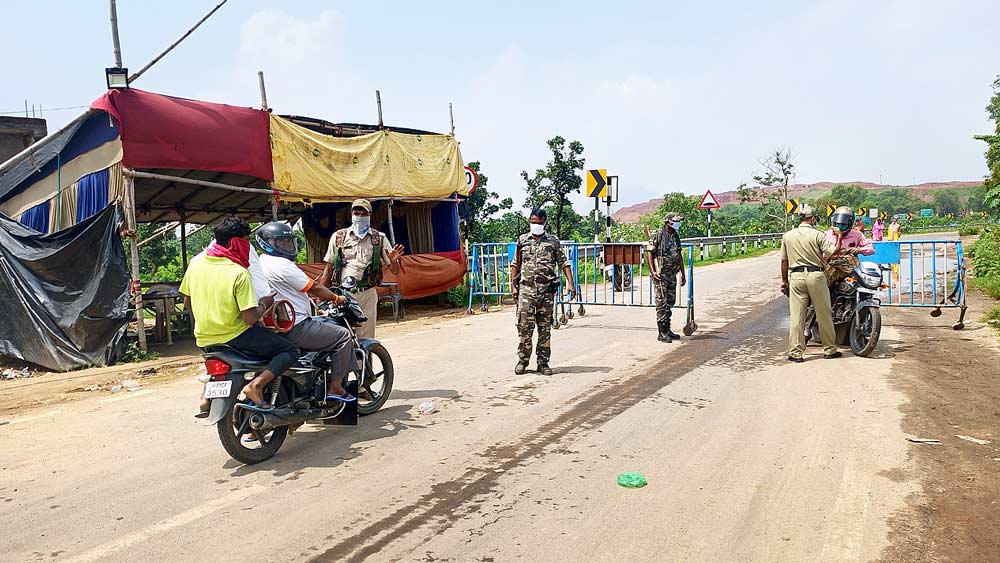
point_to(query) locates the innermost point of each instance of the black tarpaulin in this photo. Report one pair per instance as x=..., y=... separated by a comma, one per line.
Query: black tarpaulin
x=63, y=297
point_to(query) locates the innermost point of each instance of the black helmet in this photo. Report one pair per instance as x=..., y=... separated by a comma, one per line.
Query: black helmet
x=277, y=239
x=843, y=218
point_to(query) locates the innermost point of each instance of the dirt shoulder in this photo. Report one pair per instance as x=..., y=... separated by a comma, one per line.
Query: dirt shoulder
x=951, y=379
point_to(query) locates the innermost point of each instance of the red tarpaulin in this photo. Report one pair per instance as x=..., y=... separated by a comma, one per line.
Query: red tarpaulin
x=421, y=275
x=164, y=132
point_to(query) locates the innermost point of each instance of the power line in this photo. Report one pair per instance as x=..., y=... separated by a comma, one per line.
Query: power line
x=20, y=111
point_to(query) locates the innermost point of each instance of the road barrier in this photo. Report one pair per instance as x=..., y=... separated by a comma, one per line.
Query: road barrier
x=614, y=274
x=923, y=273
x=732, y=244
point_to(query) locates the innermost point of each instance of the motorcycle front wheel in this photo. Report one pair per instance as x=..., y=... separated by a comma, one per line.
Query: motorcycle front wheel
x=865, y=330
x=234, y=428
x=374, y=388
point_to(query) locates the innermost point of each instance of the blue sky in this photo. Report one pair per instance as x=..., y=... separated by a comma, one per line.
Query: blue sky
x=671, y=96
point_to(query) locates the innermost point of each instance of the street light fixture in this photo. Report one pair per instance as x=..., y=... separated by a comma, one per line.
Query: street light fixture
x=117, y=78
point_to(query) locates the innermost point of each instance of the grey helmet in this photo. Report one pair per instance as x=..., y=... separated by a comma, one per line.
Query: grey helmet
x=277, y=239
x=843, y=218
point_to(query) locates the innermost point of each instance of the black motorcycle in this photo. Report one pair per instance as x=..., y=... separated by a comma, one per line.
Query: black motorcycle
x=251, y=434
x=857, y=318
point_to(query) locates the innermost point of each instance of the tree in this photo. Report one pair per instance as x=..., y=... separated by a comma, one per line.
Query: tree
x=992, y=182
x=852, y=196
x=558, y=180
x=946, y=201
x=482, y=206
x=777, y=173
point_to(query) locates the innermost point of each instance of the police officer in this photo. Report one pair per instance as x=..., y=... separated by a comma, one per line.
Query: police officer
x=803, y=252
x=665, y=262
x=361, y=252
x=537, y=260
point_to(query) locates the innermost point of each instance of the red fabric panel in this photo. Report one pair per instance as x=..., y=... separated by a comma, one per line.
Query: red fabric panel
x=421, y=275
x=164, y=132
x=456, y=255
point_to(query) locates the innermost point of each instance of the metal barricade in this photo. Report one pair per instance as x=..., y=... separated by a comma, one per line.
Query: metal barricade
x=922, y=273
x=617, y=275
x=489, y=271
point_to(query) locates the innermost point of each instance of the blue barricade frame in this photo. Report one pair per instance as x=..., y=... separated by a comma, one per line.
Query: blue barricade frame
x=927, y=273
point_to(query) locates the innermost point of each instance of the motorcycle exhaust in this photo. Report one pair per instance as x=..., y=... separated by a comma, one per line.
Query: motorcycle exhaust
x=284, y=417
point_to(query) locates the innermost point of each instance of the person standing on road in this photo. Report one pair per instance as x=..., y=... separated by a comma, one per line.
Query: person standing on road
x=361, y=252
x=663, y=253
x=538, y=258
x=894, y=230
x=878, y=229
x=803, y=251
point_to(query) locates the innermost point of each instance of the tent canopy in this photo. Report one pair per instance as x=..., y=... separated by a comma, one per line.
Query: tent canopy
x=178, y=139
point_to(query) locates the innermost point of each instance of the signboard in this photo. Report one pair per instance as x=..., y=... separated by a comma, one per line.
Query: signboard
x=862, y=212
x=471, y=179
x=709, y=201
x=950, y=215
x=830, y=209
x=873, y=213
x=909, y=216
x=612, y=195
x=597, y=183
x=901, y=216
x=926, y=213
x=791, y=206
x=883, y=215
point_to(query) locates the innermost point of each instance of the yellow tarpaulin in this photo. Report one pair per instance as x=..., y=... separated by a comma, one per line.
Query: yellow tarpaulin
x=382, y=164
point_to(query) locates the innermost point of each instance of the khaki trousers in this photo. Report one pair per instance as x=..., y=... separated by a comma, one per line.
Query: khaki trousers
x=805, y=288
x=368, y=300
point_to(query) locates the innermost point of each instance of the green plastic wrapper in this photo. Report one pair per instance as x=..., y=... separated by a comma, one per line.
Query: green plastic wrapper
x=631, y=480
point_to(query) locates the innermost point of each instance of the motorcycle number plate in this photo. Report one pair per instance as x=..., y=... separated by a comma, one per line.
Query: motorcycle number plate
x=218, y=389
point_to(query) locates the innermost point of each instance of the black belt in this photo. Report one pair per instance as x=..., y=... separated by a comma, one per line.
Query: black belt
x=807, y=269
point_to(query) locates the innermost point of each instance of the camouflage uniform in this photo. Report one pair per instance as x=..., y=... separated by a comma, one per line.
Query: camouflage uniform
x=539, y=270
x=666, y=249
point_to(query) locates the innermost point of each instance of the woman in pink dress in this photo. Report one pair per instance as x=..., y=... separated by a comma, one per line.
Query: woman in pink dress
x=878, y=229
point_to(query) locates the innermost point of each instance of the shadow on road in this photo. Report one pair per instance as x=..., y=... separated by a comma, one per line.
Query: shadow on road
x=582, y=369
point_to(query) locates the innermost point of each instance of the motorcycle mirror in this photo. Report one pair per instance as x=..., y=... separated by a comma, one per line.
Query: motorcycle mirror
x=349, y=282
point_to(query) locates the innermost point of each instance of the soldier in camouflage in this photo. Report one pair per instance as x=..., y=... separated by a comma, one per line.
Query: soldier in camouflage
x=535, y=271
x=665, y=262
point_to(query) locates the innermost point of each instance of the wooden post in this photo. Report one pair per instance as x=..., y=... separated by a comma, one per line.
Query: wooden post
x=134, y=235
x=392, y=230
x=184, y=247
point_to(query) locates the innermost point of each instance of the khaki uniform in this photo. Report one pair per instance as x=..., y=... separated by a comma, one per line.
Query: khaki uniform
x=541, y=261
x=804, y=248
x=356, y=258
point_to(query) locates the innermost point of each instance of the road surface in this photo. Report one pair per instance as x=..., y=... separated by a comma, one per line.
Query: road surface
x=748, y=457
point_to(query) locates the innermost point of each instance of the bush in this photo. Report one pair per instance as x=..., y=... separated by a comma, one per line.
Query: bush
x=986, y=263
x=458, y=296
x=968, y=231
x=134, y=354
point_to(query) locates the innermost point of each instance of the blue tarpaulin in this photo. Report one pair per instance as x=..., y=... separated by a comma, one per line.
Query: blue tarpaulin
x=37, y=218
x=91, y=194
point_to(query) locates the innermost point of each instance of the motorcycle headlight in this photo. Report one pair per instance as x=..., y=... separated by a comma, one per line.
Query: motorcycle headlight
x=869, y=281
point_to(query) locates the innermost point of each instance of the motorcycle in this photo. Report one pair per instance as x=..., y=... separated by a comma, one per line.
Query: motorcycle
x=296, y=396
x=857, y=318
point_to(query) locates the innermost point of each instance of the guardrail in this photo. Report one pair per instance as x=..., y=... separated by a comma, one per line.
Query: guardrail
x=730, y=245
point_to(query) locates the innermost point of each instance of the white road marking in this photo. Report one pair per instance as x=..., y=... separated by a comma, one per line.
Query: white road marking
x=103, y=551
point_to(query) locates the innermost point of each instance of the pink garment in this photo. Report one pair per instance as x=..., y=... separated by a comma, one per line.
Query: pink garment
x=877, y=230
x=853, y=239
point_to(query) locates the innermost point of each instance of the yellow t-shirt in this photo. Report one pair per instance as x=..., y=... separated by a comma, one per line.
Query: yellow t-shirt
x=219, y=290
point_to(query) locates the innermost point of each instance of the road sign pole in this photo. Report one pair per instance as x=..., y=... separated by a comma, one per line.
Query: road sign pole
x=597, y=220
x=709, y=223
x=608, y=218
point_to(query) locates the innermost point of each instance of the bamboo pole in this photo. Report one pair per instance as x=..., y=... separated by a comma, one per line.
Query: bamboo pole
x=184, y=245
x=114, y=34
x=172, y=45
x=263, y=92
x=378, y=102
x=205, y=183
x=136, y=284
x=392, y=230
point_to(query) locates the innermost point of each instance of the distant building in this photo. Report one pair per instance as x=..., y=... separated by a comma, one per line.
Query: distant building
x=19, y=133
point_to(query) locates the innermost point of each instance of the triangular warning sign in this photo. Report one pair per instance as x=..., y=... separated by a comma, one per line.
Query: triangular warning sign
x=709, y=201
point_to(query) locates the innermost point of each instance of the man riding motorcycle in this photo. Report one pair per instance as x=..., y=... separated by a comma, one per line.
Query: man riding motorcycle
x=279, y=246
x=853, y=243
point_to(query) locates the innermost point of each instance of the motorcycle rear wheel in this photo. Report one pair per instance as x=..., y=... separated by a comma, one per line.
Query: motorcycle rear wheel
x=235, y=425
x=864, y=338
x=380, y=369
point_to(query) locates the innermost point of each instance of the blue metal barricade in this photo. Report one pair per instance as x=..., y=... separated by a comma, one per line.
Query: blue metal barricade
x=613, y=274
x=922, y=273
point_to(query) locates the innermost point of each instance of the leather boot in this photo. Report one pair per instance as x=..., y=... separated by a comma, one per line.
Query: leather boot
x=673, y=335
x=664, y=336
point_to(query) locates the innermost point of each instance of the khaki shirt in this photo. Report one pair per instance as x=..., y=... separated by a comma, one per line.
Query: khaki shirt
x=805, y=246
x=357, y=252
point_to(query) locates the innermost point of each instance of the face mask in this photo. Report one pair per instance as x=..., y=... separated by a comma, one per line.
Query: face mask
x=361, y=225
x=676, y=225
x=537, y=229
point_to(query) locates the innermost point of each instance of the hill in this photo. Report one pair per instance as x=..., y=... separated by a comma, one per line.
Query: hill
x=635, y=212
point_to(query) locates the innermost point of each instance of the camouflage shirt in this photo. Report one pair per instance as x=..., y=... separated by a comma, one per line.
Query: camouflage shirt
x=666, y=249
x=540, y=263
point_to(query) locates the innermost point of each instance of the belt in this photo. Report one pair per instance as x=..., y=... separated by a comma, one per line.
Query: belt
x=806, y=269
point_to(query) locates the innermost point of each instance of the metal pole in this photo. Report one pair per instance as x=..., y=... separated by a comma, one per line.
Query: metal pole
x=172, y=45
x=114, y=37
x=136, y=285
x=608, y=218
x=709, y=223
x=597, y=217
x=263, y=92
x=378, y=102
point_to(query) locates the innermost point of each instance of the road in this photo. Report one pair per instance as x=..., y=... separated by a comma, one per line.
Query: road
x=748, y=457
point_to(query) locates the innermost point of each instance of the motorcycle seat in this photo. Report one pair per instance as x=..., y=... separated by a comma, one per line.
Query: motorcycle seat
x=248, y=360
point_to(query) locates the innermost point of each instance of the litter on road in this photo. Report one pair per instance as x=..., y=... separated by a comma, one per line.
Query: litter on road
x=973, y=440
x=632, y=480
x=427, y=407
x=931, y=441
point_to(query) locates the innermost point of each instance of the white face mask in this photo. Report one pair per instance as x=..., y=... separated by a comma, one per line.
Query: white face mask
x=537, y=229
x=676, y=225
x=361, y=225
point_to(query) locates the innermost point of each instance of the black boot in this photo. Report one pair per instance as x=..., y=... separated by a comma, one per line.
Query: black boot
x=673, y=335
x=664, y=335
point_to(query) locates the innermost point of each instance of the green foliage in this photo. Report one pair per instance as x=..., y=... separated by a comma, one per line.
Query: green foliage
x=986, y=255
x=773, y=181
x=134, y=354
x=852, y=196
x=991, y=199
x=554, y=183
x=483, y=206
x=946, y=201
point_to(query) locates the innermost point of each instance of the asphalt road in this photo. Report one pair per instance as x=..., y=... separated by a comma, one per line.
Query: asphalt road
x=747, y=457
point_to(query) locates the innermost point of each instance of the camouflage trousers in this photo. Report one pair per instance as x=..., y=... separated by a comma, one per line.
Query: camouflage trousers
x=665, y=293
x=535, y=311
